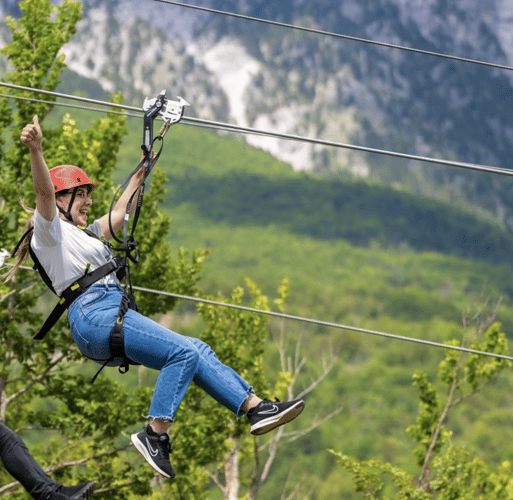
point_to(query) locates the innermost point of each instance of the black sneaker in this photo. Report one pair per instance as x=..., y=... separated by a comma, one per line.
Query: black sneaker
x=79, y=492
x=155, y=449
x=268, y=415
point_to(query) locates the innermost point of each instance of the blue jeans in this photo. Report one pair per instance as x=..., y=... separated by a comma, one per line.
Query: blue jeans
x=179, y=359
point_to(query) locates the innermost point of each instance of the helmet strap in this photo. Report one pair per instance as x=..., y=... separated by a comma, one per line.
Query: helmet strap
x=67, y=213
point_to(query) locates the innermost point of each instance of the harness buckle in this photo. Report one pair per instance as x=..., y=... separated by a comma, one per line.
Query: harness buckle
x=131, y=246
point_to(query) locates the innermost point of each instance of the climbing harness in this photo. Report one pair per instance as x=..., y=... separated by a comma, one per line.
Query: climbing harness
x=64, y=178
x=76, y=289
x=171, y=112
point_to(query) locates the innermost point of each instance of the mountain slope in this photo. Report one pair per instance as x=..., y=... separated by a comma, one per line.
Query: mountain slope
x=357, y=93
x=319, y=86
x=329, y=210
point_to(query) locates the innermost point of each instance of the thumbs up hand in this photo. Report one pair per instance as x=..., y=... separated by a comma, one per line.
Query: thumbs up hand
x=32, y=135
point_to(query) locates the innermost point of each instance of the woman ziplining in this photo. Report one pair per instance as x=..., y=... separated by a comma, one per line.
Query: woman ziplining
x=81, y=269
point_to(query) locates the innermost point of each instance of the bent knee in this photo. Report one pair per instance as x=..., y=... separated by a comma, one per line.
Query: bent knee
x=191, y=355
x=202, y=347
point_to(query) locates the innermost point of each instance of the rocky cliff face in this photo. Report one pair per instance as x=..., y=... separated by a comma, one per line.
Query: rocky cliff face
x=293, y=82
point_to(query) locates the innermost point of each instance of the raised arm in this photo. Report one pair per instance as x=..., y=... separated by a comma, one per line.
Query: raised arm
x=119, y=210
x=32, y=136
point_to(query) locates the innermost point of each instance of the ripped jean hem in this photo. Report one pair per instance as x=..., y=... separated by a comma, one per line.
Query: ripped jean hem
x=240, y=413
x=166, y=418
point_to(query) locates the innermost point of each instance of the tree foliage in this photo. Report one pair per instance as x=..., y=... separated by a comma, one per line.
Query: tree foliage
x=333, y=209
x=446, y=472
x=43, y=384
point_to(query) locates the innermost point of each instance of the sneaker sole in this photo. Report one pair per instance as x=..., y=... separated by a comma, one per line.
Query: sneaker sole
x=284, y=417
x=85, y=493
x=144, y=452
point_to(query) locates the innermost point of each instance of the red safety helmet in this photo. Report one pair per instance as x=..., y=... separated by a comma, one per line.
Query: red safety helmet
x=68, y=177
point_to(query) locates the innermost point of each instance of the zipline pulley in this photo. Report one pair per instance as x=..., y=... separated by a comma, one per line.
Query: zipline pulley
x=170, y=111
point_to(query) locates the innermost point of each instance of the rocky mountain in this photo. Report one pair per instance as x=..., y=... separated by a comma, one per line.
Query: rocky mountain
x=294, y=82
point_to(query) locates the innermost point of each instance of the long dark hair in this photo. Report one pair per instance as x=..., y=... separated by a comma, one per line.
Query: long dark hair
x=22, y=251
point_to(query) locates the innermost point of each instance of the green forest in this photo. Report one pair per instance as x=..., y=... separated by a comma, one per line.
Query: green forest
x=243, y=206
x=229, y=222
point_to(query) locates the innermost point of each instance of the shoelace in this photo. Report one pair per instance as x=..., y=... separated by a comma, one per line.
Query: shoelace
x=267, y=401
x=164, y=444
x=264, y=402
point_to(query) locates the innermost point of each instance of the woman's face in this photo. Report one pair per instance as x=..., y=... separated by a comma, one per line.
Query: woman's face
x=80, y=206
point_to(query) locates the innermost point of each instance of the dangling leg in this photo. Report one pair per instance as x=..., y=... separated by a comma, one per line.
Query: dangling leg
x=176, y=358
x=148, y=343
x=21, y=465
x=226, y=386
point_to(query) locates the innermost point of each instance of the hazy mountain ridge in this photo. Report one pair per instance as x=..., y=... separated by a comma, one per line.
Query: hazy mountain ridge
x=293, y=82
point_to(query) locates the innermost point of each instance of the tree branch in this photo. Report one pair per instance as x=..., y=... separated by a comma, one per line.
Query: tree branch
x=483, y=324
x=215, y=477
x=316, y=423
x=84, y=461
x=434, y=438
x=58, y=356
x=273, y=449
x=320, y=378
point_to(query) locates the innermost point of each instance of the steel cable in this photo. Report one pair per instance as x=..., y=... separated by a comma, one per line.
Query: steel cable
x=253, y=131
x=338, y=35
x=329, y=324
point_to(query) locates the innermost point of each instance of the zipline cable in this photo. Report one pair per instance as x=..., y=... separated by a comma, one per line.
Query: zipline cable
x=337, y=35
x=253, y=131
x=326, y=323
x=103, y=110
x=72, y=97
x=329, y=324
x=365, y=149
x=68, y=105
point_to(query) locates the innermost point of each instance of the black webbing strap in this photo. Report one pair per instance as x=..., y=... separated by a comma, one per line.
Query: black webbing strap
x=128, y=241
x=40, y=269
x=117, y=338
x=67, y=213
x=72, y=292
x=54, y=316
x=56, y=313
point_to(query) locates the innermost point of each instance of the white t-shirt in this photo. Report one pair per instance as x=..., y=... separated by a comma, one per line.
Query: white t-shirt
x=64, y=251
